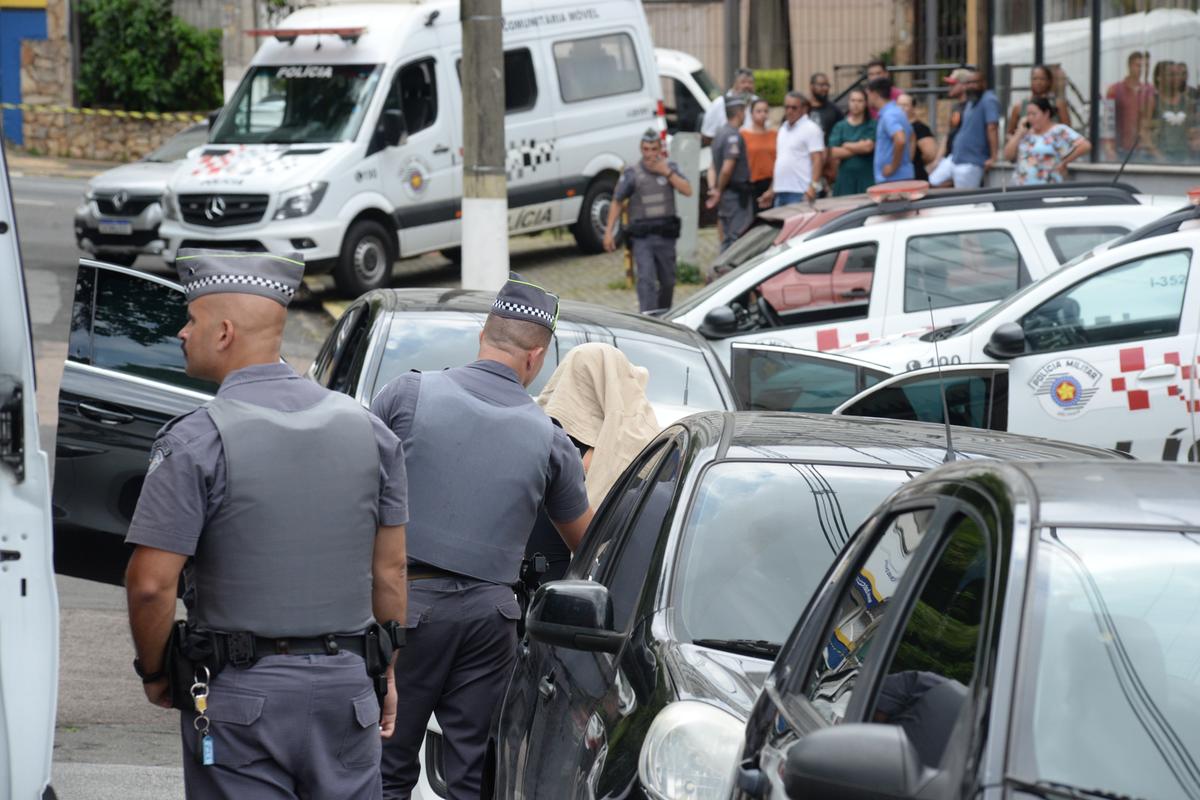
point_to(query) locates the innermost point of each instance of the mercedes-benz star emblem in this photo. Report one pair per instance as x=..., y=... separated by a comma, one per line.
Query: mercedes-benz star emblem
x=120, y=199
x=215, y=208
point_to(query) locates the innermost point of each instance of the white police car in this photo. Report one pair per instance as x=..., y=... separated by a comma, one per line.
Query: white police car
x=871, y=272
x=1104, y=352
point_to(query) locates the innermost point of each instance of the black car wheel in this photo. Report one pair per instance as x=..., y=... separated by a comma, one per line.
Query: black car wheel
x=593, y=216
x=366, y=259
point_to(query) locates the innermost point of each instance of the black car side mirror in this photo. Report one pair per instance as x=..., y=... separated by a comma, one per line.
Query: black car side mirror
x=394, y=128
x=574, y=614
x=865, y=761
x=1008, y=341
x=719, y=322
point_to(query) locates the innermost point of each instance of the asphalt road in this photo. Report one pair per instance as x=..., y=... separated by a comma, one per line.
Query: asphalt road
x=110, y=742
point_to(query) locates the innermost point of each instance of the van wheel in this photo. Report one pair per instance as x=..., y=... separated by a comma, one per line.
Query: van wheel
x=366, y=259
x=593, y=217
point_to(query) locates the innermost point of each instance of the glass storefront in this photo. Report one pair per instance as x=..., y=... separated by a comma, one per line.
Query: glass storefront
x=1130, y=83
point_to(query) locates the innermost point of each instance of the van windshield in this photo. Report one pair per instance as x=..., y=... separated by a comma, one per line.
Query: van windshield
x=298, y=103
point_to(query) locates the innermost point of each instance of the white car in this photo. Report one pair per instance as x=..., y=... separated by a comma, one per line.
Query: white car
x=28, y=597
x=887, y=268
x=1104, y=352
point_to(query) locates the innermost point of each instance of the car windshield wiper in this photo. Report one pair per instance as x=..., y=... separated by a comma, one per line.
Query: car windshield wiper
x=1054, y=789
x=746, y=647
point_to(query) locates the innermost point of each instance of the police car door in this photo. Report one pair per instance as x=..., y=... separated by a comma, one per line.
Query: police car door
x=423, y=176
x=773, y=378
x=123, y=380
x=976, y=396
x=28, y=597
x=1111, y=360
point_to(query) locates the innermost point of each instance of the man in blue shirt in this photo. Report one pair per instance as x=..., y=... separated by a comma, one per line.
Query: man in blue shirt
x=978, y=139
x=894, y=139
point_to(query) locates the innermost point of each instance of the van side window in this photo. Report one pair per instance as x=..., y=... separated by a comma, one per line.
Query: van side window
x=598, y=66
x=520, y=80
x=414, y=92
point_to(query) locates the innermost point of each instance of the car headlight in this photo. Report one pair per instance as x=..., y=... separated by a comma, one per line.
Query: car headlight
x=301, y=202
x=690, y=752
x=170, y=206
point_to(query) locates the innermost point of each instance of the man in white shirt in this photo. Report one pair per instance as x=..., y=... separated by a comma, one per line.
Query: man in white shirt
x=799, y=155
x=714, y=118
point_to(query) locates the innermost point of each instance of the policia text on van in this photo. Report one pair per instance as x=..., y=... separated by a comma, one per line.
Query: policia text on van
x=343, y=140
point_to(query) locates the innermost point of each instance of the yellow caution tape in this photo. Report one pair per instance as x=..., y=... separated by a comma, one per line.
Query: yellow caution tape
x=106, y=112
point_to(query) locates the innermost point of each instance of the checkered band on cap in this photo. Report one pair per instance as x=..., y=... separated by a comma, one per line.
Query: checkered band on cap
x=521, y=308
x=244, y=280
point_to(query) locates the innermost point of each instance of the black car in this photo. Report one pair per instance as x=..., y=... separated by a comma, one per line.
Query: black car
x=652, y=650
x=124, y=378
x=998, y=630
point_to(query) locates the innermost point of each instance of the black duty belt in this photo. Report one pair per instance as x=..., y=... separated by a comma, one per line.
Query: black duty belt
x=420, y=572
x=242, y=649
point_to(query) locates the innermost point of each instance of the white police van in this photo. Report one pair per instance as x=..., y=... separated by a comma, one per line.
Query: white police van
x=343, y=141
x=888, y=267
x=1104, y=352
x=28, y=597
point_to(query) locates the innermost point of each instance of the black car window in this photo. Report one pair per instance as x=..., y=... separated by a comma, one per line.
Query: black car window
x=926, y=684
x=614, y=511
x=859, y=614
x=520, y=80
x=766, y=533
x=974, y=399
x=678, y=375
x=622, y=564
x=347, y=369
x=134, y=330
x=781, y=380
x=335, y=345
x=1140, y=299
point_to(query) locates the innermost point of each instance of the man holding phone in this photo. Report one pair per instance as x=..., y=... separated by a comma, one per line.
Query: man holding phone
x=649, y=186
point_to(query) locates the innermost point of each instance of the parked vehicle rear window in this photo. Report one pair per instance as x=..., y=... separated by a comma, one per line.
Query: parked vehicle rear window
x=1069, y=242
x=598, y=66
x=765, y=532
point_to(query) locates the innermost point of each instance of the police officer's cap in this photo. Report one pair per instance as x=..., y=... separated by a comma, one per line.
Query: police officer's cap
x=651, y=136
x=527, y=302
x=221, y=271
x=734, y=100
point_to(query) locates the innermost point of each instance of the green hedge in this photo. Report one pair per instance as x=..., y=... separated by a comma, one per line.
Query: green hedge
x=772, y=84
x=138, y=56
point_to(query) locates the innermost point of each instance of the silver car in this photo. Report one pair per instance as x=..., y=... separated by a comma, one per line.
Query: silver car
x=121, y=210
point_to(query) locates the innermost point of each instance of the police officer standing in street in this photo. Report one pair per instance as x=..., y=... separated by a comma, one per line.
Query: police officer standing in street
x=481, y=458
x=729, y=174
x=650, y=187
x=290, y=500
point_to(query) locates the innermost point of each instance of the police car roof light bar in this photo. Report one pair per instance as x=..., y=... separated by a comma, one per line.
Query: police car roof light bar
x=1017, y=198
x=289, y=35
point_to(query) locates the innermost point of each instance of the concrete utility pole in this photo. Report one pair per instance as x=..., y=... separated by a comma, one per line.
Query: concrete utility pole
x=485, y=188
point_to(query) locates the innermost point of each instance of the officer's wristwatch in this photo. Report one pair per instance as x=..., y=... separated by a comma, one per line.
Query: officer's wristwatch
x=147, y=677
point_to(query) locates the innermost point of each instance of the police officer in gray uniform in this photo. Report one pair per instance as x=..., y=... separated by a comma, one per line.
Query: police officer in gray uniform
x=650, y=187
x=729, y=174
x=481, y=458
x=290, y=500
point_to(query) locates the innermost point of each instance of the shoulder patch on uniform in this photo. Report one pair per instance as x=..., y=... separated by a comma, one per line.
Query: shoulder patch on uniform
x=165, y=429
x=157, y=454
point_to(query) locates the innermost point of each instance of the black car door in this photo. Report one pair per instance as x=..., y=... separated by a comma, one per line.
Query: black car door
x=124, y=378
x=905, y=643
x=552, y=740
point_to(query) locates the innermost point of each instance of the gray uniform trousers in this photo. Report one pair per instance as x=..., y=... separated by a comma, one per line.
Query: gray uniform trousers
x=459, y=655
x=654, y=258
x=288, y=727
x=736, y=212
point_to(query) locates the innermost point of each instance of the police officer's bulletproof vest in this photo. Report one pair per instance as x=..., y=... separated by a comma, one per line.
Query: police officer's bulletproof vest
x=289, y=550
x=477, y=473
x=653, y=196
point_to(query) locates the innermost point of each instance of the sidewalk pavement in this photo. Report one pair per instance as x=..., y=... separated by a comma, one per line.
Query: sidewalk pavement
x=25, y=165
x=550, y=259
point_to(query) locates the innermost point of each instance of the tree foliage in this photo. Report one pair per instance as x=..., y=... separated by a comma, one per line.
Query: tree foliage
x=138, y=56
x=772, y=84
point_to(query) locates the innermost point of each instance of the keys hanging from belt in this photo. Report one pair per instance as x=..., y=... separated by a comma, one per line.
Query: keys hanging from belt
x=204, y=741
